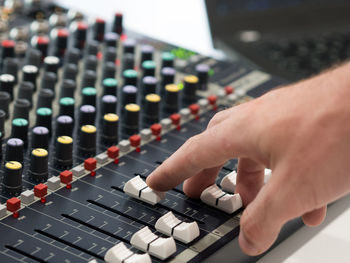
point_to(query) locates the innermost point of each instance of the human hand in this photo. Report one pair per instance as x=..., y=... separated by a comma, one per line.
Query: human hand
x=301, y=132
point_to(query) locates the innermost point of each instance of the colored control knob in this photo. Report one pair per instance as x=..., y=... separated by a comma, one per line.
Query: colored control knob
x=30, y=73
x=146, y=53
x=7, y=49
x=87, y=115
x=67, y=106
x=171, y=100
x=111, y=39
x=110, y=125
x=202, y=74
x=79, y=35
x=130, y=121
x=148, y=68
x=110, y=86
x=61, y=42
x=44, y=118
x=108, y=105
x=118, y=23
x=51, y=64
x=129, y=95
x=20, y=130
x=7, y=83
x=168, y=60
x=130, y=77
x=64, y=152
x=64, y=126
x=14, y=150
x=45, y=98
x=87, y=141
x=129, y=46
x=189, y=90
x=12, y=179
x=148, y=86
x=41, y=43
x=40, y=137
x=99, y=29
x=88, y=96
x=38, y=169
x=167, y=77
x=151, y=110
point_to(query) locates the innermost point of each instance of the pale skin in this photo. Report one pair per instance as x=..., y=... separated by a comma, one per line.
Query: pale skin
x=301, y=132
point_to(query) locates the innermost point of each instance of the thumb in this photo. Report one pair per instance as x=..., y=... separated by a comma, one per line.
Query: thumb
x=264, y=217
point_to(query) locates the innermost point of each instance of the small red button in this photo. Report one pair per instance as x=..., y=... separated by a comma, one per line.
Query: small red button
x=90, y=164
x=100, y=20
x=194, y=108
x=156, y=129
x=212, y=99
x=13, y=204
x=66, y=177
x=229, y=90
x=113, y=152
x=175, y=118
x=81, y=26
x=7, y=43
x=135, y=140
x=40, y=190
x=42, y=40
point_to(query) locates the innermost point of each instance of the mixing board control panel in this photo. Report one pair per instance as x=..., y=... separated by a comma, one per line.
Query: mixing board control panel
x=87, y=112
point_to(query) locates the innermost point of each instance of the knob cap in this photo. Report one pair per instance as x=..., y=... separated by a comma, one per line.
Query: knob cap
x=51, y=64
x=40, y=137
x=89, y=96
x=189, y=90
x=12, y=179
x=20, y=130
x=110, y=86
x=149, y=86
x=151, y=110
x=146, y=53
x=87, y=115
x=108, y=104
x=130, y=124
x=129, y=95
x=110, y=125
x=45, y=98
x=202, y=74
x=64, y=126
x=148, y=68
x=44, y=118
x=67, y=106
x=99, y=29
x=130, y=77
x=21, y=109
x=171, y=100
x=14, y=150
x=30, y=73
x=7, y=83
x=38, y=169
x=87, y=142
x=25, y=91
x=64, y=152
x=167, y=77
x=118, y=23
x=167, y=60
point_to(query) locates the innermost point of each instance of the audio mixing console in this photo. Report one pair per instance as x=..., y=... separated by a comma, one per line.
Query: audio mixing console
x=87, y=112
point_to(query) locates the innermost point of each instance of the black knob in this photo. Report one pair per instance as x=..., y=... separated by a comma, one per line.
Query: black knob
x=49, y=80
x=110, y=86
x=12, y=180
x=118, y=23
x=40, y=137
x=5, y=102
x=88, y=96
x=108, y=104
x=99, y=29
x=61, y=42
x=130, y=77
x=167, y=77
x=41, y=43
x=87, y=115
x=109, y=70
x=70, y=71
x=128, y=61
x=64, y=152
x=38, y=169
x=51, y=64
x=110, y=125
x=7, y=83
x=68, y=88
x=202, y=74
x=148, y=86
x=148, y=68
x=25, y=91
x=44, y=118
x=151, y=110
x=111, y=39
x=167, y=60
x=146, y=53
x=189, y=90
x=20, y=130
x=90, y=62
x=130, y=121
x=88, y=79
x=129, y=95
x=30, y=73
x=72, y=56
x=92, y=47
x=14, y=150
x=171, y=99
x=87, y=141
x=11, y=67
x=33, y=57
x=80, y=33
x=67, y=106
x=110, y=54
x=129, y=46
x=7, y=49
x=64, y=126
x=21, y=109
x=45, y=98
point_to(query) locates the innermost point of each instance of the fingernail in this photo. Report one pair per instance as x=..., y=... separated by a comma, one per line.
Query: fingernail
x=246, y=245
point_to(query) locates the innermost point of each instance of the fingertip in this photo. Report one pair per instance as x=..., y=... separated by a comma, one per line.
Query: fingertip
x=247, y=246
x=315, y=217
